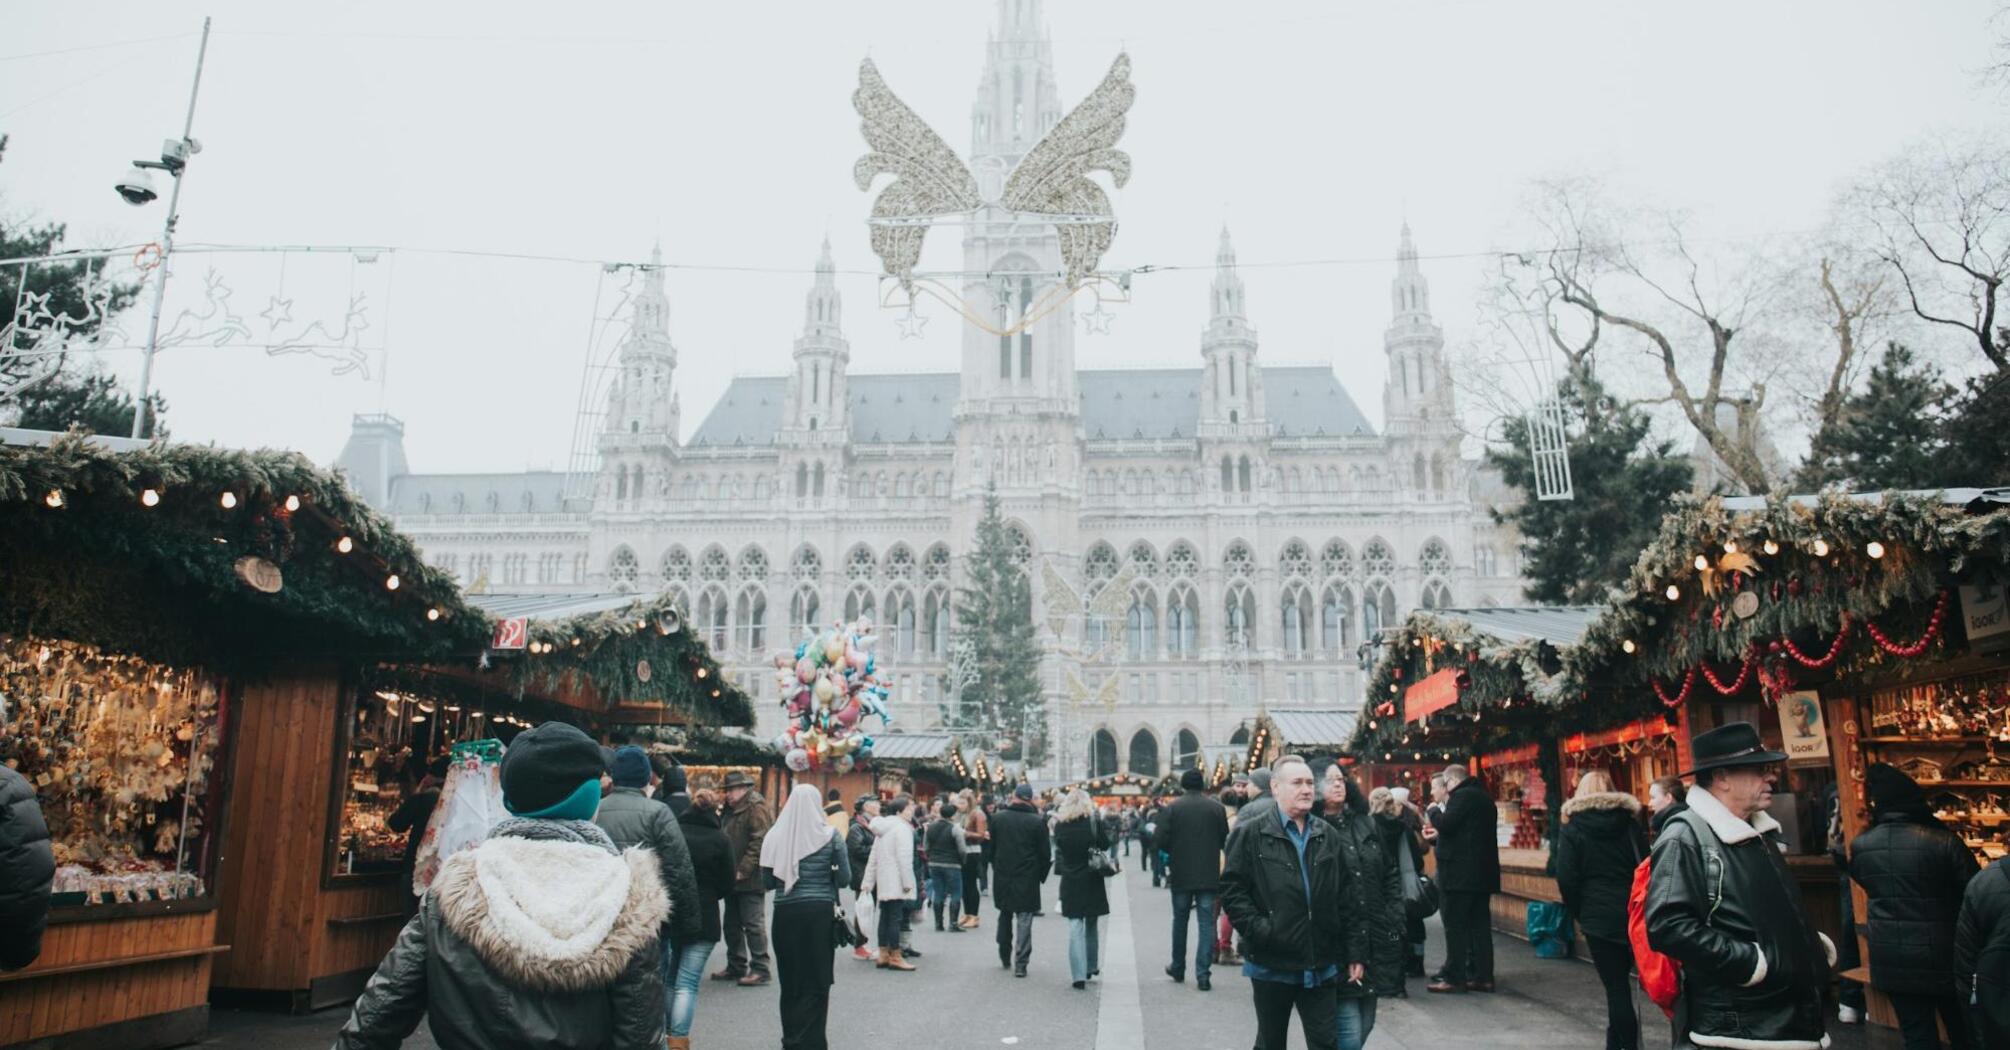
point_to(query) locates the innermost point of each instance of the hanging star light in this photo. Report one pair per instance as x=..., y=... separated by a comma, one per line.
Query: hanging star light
x=1097, y=321
x=911, y=323
x=277, y=312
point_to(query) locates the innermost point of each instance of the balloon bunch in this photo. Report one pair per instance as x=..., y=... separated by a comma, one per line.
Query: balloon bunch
x=827, y=688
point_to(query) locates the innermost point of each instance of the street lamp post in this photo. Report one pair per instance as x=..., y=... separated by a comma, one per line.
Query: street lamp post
x=137, y=190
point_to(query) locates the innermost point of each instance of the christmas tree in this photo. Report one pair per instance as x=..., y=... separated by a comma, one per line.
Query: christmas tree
x=995, y=610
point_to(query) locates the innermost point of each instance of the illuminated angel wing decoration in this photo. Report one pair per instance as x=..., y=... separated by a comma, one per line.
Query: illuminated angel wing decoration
x=1059, y=596
x=1108, y=693
x=1077, y=692
x=1114, y=600
x=929, y=179
x=1052, y=179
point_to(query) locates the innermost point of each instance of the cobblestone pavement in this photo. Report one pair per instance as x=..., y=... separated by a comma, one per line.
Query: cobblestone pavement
x=960, y=998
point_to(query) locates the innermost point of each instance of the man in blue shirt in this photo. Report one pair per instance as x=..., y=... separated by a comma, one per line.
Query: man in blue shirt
x=1286, y=892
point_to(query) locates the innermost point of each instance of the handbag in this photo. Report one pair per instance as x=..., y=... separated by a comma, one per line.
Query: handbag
x=840, y=923
x=1101, y=861
x=1420, y=894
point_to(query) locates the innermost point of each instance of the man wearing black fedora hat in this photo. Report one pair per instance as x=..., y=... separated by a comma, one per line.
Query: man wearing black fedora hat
x=1721, y=902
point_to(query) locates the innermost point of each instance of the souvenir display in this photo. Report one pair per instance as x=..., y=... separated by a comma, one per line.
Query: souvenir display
x=827, y=688
x=120, y=752
x=1953, y=737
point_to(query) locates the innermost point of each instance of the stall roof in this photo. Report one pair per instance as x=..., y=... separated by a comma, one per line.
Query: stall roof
x=1559, y=625
x=910, y=746
x=552, y=606
x=1324, y=728
x=1954, y=497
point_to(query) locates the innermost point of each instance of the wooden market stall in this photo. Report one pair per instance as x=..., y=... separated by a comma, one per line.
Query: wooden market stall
x=169, y=616
x=1851, y=630
x=325, y=886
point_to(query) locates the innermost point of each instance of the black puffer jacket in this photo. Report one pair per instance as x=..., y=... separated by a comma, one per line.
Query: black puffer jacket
x=1375, y=879
x=1263, y=892
x=858, y=850
x=26, y=869
x=1021, y=857
x=1913, y=871
x=632, y=818
x=502, y=951
x=1469, y=853
x=1753, y=969
x=1600, y=844
x=1082, y=892
x=1982, y=951
x=712, y=863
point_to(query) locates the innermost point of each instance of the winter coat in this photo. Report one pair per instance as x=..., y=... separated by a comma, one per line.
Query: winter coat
x=1913, y=872
x=1469, y=855
x=632, y=818
x=1660, y=820
x=1982, y=951
x=711, y=865
x=889, y=869
x=1082, y=892
x=819, y=875
x=944, y=842
x=544, y=935
x=1192, y=832
x=858, y=849
x=1375, y=877
x=1263, y=892
x=678, y=801
x=1753, y=969
x=1600, y=844
x=1021, y=857
x=746, y=824
x=27, y=868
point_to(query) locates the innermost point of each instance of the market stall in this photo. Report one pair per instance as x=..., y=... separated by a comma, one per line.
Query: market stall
x=1851, y=630
x=1307, y=732
x=163, y=612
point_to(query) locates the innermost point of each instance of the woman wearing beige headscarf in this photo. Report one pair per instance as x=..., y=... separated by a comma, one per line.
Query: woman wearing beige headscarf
x=804, y=861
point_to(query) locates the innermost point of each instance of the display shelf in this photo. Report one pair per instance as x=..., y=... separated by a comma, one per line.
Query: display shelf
x=1931, y=784
x=1949, y=741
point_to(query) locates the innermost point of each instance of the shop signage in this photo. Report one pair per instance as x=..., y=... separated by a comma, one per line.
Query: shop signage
x=511, y=634
x=1433, y=694
x=259, y=574
x=1985, y=611
x=1803, y=733
x=1642, y=730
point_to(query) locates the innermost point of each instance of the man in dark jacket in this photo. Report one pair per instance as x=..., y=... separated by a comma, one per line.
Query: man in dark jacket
x=1022, y=857
x=632, y=818
x=1982, y=953
x=1289, y=897
x=27, y=867
x=545, y=917
x=1721, y=902
x=1913, y=872
x=672, y=789
x=745, y=924
x=1469, y=874
x=1191, y=832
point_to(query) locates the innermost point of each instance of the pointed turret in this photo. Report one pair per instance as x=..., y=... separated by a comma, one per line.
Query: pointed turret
x=1233, y=393
x=1016, y=98
x=1420, y=414
x=817, y=399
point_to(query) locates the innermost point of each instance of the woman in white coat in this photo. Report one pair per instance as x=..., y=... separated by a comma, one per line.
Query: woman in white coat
x=889, y=876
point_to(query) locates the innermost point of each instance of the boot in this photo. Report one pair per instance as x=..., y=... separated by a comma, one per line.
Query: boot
x=895, y=961
x=971, y=921
x=676, y=1042
x=880, y=958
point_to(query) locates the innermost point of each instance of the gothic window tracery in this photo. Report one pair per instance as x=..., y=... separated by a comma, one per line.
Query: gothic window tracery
x=1336, y=559
x=1239, y=622
x=1144, y=559
x=623, y=568
x=1435, y=559
x=1336, y=631
x=935, y=565
x=750, y=617
x=1378, y=609
x=1142, y=624
x=860, y=564
x=804, y=608
x=711, y=619
x=935, y=621
x=1437, y=595
x=900, y=562
x=712, y=565
x=1239, y=561
x=807, y=564
x=1295, y=560
x=1296, y=620
x=753, y=565
x=1182, y=561
x=1020, y=544
x=1377, y=559
x=858, y=602
x=1183, y=622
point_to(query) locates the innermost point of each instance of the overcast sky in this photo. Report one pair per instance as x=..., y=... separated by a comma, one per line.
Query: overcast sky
x=589, y=130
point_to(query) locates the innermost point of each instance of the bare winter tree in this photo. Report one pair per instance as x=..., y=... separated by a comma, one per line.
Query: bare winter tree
x=1942, y=221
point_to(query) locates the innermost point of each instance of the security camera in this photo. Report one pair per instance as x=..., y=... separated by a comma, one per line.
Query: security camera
x=137, y=187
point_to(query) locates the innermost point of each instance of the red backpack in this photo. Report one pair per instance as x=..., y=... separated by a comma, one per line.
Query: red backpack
x=1660, y=975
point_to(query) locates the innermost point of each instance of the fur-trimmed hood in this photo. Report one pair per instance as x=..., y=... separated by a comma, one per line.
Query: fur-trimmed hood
x=552, y=906
x=1614, y=800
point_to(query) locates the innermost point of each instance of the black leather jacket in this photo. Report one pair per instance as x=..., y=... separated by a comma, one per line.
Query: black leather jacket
x=1722, y=903
x=477, y=969
x=1263, y=892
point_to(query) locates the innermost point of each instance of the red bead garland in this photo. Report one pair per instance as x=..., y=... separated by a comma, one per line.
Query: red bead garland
x=1744, y=675
x=1688, y=683
x=1835, y=648
x=1932, y=630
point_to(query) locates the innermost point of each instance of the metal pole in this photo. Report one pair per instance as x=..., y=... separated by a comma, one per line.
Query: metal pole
x=167, y=249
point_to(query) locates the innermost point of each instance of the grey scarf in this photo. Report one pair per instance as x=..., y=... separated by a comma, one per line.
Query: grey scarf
x=584, y=831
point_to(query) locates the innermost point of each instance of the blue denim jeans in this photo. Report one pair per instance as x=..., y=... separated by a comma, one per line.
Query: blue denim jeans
x=1356, y=1017
x=945, y=889
x=683, y=968
x=1082, y=948
x=1203, y=949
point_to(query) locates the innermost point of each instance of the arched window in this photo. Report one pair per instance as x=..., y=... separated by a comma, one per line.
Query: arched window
x=1142, y=624
x=1144, y=753
x=899, y=610
x=1102, y=754
x=1242, y=475
x=621, y=485
x=1437, y=595
x=1239, y=738
x=1020, y=544
x=1296, y=619
x=750, y=619
x=1336, y=634
x=935, y=623
x=803, y=610
x=1378, y=609
x=1437, y=472
x=1186, y=751
x=1239, y=621
x=817, y=481
x=1183, y=623
x=858, y=603
x=623, y=568
x=1417, y=472
x=1227, y=474
x=712, y=618
x=802, y=480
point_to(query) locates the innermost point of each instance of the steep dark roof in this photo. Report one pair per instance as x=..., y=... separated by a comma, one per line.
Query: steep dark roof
x=531, y=492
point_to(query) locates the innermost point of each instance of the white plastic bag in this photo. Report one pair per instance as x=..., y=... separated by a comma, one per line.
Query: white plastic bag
x=865, y=914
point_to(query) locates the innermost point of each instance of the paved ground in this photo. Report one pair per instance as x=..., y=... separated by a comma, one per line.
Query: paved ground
x=962, y=998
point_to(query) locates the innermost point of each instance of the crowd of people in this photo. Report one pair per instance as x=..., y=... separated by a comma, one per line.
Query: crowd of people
x=594, y=910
